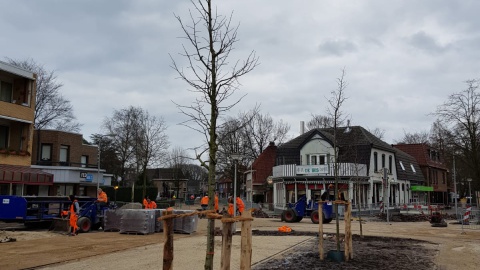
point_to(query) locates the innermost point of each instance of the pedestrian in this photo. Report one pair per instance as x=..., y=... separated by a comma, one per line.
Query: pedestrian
x=73, y=212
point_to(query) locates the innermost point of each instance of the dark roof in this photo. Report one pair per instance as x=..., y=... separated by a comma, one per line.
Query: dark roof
x=407, y=174
x=349, y=139
x=24, y=175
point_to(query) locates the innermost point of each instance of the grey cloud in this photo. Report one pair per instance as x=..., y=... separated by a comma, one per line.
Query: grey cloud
x=425, y=42
x=337, y=47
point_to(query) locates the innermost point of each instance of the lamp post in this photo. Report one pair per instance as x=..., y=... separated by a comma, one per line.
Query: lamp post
x=455, y=186
x=100, y=137
x=235, y=157
x=469, y=180
x=116, y=188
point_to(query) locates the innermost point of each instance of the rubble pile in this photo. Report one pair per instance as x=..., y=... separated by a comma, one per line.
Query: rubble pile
x=259, y=213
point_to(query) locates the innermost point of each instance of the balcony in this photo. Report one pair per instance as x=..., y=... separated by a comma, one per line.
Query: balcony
x=344, y=169
x=16, y=112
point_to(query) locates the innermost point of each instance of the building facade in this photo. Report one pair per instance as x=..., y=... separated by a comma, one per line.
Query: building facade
x=17, y=113
x=73, y=163
x=366, y=168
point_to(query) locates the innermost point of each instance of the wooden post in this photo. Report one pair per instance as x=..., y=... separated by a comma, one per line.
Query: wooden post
x=350, y=239
x=226, y=245
x=320, y=231
x=348, y=232
x=246, y=242
x=168, y=245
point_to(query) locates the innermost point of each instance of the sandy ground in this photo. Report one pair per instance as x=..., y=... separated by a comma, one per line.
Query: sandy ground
x=109, y=250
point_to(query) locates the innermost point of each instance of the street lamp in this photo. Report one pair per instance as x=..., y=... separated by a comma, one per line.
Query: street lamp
x=116, y=188
x=469, y=180
x=100, y=137
x=455, y=186
x=236, y=158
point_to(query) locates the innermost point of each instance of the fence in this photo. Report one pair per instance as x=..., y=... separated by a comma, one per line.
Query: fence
x=470, y=219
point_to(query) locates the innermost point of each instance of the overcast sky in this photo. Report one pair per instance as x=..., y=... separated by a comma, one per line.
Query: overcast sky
x=402, y=58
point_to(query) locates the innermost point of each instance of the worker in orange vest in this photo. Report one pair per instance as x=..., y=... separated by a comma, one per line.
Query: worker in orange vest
x=145, y=202
x=151, y=204
x=240, y=205
x=216, y=203
x=230, y=206
x=101, y=199
x=73, y=212
x=204, y=202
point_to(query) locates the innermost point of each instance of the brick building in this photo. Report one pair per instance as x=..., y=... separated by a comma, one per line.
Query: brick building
x=17, y=107
x=433, y=168
x=73, y=163
x=259, y=175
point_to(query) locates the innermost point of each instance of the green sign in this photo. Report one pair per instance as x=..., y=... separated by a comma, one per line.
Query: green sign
x=421, y=188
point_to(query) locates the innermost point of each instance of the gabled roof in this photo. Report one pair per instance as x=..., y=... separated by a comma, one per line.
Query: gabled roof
x=406, y=173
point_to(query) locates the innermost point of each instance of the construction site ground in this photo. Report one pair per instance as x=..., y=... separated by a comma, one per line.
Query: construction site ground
x=41, y=249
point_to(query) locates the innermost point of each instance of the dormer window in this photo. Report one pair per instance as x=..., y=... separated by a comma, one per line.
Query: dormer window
x=401, y=165
x=413, y=168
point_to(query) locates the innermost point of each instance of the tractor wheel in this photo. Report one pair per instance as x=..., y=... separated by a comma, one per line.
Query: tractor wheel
x=314, y=217
x=84, y=224
x=327, y=220
x=290, y=216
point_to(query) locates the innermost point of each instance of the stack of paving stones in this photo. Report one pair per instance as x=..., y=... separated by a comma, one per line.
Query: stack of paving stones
x=158, y=223
x=112, y=220
x=186, y=224
x=138, y=221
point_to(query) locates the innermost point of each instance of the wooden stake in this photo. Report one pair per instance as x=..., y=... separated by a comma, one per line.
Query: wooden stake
x=246, y=242
x=350, y=241
x=226, y=245
x=346, y=238
x=168, y=245
x=320, y=230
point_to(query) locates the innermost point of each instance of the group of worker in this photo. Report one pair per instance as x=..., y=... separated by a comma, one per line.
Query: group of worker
x=240, y=205
x=74, y=210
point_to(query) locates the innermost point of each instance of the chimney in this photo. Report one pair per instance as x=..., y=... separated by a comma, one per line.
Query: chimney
x=302, y=127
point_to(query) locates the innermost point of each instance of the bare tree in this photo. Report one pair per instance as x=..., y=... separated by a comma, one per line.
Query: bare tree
x=460, y=115
x=52, y=110
x=379, y=133
x=414, y=138
x=334, y=111
x=210, y=39
x=320, y=121
x=151, y=143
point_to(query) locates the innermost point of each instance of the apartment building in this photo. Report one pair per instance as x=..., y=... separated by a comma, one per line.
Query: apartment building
x=17, y=109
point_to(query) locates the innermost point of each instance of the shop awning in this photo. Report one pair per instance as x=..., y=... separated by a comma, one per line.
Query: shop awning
x=421, y=188
x=24, y=175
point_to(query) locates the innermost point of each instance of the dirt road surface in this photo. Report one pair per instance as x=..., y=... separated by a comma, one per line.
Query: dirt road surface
x=111, y=250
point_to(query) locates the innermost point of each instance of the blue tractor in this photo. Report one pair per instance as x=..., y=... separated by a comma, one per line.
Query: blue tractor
x=91, y=216
x=295, y=212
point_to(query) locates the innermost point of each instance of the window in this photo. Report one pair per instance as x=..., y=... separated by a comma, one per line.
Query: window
x=383, y=160
x=401, y=165
x=322, y=160
x=84, y=161
x=46, y=152
x=314, y=160
x=390, y=160
x=3, y=137
x=413, y=168
x=63, y=154
x=5, y=91
x=375, y=160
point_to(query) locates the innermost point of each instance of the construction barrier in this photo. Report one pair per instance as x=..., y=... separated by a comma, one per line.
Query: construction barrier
x=471, y=219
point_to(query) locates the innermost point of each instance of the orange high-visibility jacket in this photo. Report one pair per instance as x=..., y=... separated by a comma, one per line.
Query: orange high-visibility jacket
x=102, y=197
x=240, y=204
x=145, y=203
x=216, y=203
x=151, y=205
x=204, y=200
x=230, y=209
x=73, y=216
